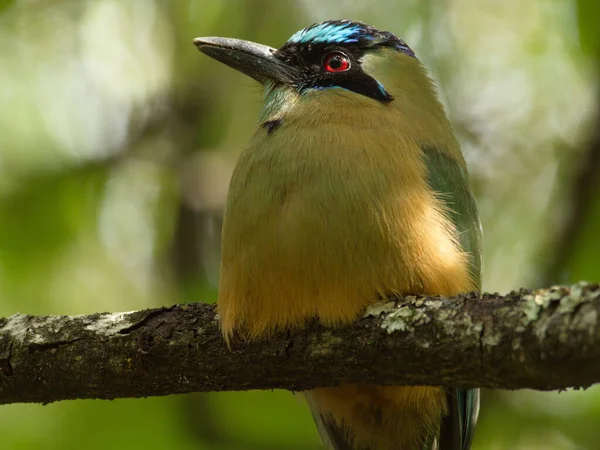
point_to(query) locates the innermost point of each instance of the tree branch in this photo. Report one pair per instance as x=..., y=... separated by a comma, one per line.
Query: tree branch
x=546, y=339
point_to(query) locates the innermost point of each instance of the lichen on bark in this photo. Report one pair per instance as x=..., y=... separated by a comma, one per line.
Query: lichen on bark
x=544, y=339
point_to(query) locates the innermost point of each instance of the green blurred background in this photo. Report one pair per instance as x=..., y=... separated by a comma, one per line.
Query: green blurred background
x=117, y=139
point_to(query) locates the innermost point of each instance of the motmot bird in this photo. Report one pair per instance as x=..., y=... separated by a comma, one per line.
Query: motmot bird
x=352, y=188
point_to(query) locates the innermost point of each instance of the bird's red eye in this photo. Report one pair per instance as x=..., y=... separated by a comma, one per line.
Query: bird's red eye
x=336, y=62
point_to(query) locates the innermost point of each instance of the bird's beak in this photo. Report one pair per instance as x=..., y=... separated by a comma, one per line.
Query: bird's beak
x=255, y=60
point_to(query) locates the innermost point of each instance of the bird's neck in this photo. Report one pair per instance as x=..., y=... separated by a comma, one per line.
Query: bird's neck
x=414, y=116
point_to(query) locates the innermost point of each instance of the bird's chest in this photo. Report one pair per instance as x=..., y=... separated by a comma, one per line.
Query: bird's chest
x=319, y=213
x=321, y=231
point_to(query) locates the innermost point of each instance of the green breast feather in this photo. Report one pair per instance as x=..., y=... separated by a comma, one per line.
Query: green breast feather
x=450, y=182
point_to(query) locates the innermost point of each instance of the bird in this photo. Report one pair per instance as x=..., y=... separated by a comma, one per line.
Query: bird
x=352, y=188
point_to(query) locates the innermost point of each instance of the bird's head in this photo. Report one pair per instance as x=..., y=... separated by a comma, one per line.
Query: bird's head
x=353, y=56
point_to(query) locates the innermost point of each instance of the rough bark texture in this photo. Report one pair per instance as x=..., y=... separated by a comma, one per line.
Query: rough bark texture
x=545, y=339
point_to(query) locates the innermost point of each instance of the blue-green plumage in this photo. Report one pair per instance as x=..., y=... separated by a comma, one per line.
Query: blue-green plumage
x=450, y=182
x=339, y=32
x=346, y=33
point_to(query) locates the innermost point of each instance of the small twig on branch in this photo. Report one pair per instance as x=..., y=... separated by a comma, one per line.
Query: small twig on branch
x=546, y=339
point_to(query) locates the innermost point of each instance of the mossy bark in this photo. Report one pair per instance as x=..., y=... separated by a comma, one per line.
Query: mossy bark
x=546, y=339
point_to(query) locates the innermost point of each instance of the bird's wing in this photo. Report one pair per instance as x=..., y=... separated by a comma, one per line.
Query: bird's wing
x=450, y=181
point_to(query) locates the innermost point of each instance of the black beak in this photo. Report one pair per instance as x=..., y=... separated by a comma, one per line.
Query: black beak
x=255, y=60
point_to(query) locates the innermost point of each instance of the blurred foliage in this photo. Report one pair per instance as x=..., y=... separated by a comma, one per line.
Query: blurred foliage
x=117, y=140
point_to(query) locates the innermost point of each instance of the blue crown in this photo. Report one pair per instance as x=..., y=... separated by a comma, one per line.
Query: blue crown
x=343, y=32
x=335, y=32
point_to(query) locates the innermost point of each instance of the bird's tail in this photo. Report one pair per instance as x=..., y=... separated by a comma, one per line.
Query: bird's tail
x=356, y=417
x=334, y=436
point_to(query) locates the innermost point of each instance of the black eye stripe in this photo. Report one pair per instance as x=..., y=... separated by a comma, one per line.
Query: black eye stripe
x=306, y=49
x=310, y=59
